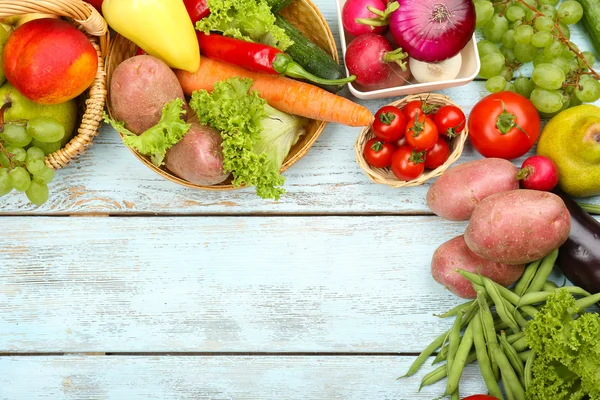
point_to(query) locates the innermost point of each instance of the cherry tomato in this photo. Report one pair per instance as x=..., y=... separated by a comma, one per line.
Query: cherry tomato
x=504, y=125
x=480, y=397
x=450, y=121
x=197, y=9
x=390, y=124
x=410, y=109
x=421, y=132
x=400, y=142
x=407, y=163
x=378, y=154
x=437, y=155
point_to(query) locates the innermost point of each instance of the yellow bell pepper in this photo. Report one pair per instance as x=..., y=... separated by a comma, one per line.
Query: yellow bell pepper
x=162, y=28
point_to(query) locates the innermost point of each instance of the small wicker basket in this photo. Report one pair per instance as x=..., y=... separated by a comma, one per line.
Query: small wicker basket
x=305, y=16
x=91, y=102
x=385, y=175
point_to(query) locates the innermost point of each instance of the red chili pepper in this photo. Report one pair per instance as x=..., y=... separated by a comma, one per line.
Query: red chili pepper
x=258, y=57
x=197, y=9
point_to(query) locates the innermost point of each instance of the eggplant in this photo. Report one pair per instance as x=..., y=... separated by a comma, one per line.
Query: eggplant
x=579, y=256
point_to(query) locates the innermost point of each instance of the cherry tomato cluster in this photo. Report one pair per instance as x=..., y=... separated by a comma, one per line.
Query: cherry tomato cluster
x=413, y=138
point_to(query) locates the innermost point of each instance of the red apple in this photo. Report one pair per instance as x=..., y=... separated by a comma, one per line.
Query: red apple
x=97, y=4
x=49, y=61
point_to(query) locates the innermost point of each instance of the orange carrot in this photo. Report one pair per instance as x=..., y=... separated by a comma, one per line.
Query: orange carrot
x=287, y=95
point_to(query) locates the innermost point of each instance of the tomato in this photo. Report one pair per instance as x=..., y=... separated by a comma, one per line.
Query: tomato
x=407, y=163
x=437, y=155
x=400, y=142
x=450, y=121
x=378, y=154
x=389, y=124
x=504, y=125
x=480, y=397
x=421, y=132
x=410, y=109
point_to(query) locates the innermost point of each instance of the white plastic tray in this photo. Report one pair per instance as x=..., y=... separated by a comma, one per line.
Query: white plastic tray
x=469, y=70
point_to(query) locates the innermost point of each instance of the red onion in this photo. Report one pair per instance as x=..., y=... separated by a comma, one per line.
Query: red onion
x=433, y=30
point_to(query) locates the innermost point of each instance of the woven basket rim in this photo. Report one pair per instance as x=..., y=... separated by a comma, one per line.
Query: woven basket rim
x=384, y=175
x=318, y=126
x=90, y=22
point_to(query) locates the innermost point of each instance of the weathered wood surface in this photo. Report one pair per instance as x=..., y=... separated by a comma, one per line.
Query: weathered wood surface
x=218, y=378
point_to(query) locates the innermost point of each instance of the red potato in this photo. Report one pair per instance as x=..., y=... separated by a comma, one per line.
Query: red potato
x=454, y=254
x=198, y=157
x=457, y=192
x=518, y=226
x=139, y=89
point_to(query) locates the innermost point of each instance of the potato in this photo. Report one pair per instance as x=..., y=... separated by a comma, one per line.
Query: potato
x=140, y=87
x=457, y=192
x=518, y=226
x=198, y=157
x=454, y=254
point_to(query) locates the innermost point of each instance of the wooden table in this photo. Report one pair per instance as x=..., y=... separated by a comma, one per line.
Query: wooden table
x=127, y=286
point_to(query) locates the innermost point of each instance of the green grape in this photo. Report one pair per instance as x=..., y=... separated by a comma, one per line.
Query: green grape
x=570, y=12
x=19, y=179
x=546, y=101
x=15, y=135
x=562, y=63
x=491, y=65
x=541, y=58
x=494, y=30
x=564, y=30
x=35, y=166
x=37, y=193
x=4, y=162
x=548, y=11
x=47, y=148
x=509, y=54
x=589, y=57
x=45, y=129
x=544, y=24
x=524, y=86
x=45, y=176
x=5, y=186
x=486, y=47
x=484, y=11
x=549, y=2
x=506, y=73
x=495, y=84
x=553, y=50
x=588, y=90
x=573, y=66
x=548, y=76
x=17, y=153
x=510, y=87
x=530, y=3
x=523, y=34
x=508, y=39
x=575, y=102
x=35, y=153
x=514, y=13
x=514, y=25
x=542, y=39
x=525, y=52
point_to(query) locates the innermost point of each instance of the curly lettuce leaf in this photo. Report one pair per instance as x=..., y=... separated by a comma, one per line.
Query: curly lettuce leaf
x=256, y=137
x=250, y=20
x=161, y=137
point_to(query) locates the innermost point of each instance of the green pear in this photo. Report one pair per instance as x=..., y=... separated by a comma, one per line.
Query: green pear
x=24, y=109
x=3, y=38
x=572, y=140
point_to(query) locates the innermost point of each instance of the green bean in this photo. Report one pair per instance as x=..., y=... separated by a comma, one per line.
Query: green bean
x=509, y=378
x=433, y=346
x=458, y=365
x=543, y=272
x=520, y=345
x=577, y=291
x=509, y=393
x=489, y=330
x=513, y=338
x=521, y=321
x=529, y=310
x=478, y=279
x=586, y=302
x=513, y=358
x=455, y=310
x=524, y=355
x=529, y=369
x=442, y=354
x=549, y=286
x=533, y=298
x=500, y=305
x=526, y=278
x=483, y=358
x=440, y=372
x=453, y=342
x=455, y=395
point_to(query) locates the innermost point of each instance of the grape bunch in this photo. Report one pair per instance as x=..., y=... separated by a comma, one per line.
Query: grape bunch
x=518, y=32
x=22, y=166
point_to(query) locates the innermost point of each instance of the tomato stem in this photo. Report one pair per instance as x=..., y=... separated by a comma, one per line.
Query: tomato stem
x=507, y=121
x=387, y=118
x=418, y=126
x=417, y=157
x=377, y=146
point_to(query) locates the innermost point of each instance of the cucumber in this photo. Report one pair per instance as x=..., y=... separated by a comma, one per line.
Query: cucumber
x=310, y=56
x=278, y=5
x=591, y=21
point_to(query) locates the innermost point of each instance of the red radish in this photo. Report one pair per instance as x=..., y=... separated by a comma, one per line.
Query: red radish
x=366, y=16
x=538, y=173
x=398, y=77
x=369, y=57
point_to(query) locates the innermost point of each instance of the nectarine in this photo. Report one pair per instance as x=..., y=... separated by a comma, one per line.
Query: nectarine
x=50, y=61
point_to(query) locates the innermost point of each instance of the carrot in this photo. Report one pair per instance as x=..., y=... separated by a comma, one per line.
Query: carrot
x=287, y=95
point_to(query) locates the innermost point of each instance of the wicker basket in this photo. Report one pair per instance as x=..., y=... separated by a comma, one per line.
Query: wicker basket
x=305, y=16
x=385, y=175
x=91, y=102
